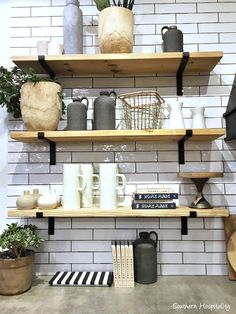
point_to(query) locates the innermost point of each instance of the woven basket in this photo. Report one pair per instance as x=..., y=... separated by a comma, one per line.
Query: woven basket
x=141, y=110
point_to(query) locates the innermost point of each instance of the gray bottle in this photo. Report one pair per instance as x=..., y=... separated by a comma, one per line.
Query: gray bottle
x=172, y=39
x=72, y=28
x=104, y=114
x=145, y=258
x=77, y=114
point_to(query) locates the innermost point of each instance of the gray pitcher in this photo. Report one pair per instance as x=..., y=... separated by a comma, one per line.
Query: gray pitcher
x=172, y=39
x=104, y=114
x=77, y=114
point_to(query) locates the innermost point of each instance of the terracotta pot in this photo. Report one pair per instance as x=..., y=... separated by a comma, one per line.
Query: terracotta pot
x=16, y=274
x=115, y=30
x=41, y=106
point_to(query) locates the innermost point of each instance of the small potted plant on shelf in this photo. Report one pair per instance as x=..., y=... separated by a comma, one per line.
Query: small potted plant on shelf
x=38, y=99
x=115, y=26
x=16, y=259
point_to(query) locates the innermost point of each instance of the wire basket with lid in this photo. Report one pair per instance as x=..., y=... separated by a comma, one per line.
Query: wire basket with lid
x=141, y=110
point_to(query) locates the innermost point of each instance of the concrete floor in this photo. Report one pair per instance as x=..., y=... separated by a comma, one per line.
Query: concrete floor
x=170, y=294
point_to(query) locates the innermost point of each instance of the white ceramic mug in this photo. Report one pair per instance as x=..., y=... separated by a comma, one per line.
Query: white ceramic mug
x=109, y=184
x=87, y=193
x=73, y=184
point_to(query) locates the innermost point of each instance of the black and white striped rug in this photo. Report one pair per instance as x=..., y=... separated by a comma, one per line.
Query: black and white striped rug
x=68, y=278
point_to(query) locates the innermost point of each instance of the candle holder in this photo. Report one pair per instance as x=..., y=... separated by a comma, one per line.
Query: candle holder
x=199, y=179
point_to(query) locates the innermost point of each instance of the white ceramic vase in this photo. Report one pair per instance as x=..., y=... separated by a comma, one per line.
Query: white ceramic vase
x=110, y=182
x=176, y=120
x=73, y=184
x=198, y=120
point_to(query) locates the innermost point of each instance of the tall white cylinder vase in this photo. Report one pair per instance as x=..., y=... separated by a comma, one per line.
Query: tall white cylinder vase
x=73, y=184
x=110, y=182
x=90, y=178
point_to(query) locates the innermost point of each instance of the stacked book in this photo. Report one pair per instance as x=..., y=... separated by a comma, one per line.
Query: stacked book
x=123, y=264
x=155, y=198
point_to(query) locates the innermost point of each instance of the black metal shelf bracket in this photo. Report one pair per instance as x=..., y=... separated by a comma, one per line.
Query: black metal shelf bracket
x=184, y=222
x=51, y=225
x=51, y=222
x=46, y=67
x=52, y=147
x=184, y=225
x=188, y=135
x=179, y=74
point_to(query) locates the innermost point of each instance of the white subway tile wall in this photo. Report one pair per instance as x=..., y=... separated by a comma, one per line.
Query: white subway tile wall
x=84, y=244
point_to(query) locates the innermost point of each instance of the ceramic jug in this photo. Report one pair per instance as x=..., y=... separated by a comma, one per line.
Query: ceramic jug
x=77, y=114
x=72, y=28
x=172, y=39
x=145, y=258
x=176, y=120
x=198, y=121
x=104, y=115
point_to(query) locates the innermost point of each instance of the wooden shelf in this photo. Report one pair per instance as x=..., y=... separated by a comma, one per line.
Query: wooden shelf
x=199, y=175
x=125, y=63
x=120, y=212
x=119, y=135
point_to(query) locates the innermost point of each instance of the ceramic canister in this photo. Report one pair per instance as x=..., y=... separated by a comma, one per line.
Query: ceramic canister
x=109, y=184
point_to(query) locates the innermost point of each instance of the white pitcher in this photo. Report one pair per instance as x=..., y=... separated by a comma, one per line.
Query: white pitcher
x=73, y=183
x=87, y=193
x=198, y=120
x=176, y=120
x=110, y=182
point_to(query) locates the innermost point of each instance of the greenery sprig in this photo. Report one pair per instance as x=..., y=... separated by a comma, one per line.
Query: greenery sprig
x=102, y=4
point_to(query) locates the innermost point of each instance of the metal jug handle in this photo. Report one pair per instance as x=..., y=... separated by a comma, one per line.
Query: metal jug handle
x=87, y=101
x=164, y=27
x=156, y=236
x=114, y=94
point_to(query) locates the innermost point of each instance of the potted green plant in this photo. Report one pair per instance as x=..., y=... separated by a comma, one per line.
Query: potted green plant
x=16, y=258
x=37, y=99
x=115, y=26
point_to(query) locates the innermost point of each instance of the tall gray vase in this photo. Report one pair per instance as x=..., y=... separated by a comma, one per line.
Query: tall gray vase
x=72, y=28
